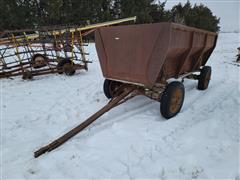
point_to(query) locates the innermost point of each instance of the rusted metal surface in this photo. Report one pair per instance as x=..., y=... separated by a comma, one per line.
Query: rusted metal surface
x=127, y=93
x=152, y=53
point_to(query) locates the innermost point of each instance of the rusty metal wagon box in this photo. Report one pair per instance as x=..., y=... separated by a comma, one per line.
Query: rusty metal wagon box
x=150, y=53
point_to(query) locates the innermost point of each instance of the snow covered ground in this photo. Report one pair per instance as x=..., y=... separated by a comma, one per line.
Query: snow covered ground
x=131, y=141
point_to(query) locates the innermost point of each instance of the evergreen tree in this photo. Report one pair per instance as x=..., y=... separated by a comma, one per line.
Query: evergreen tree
x=199, y=16
x=3, y=17
x=19, y=14
x=158, y=13
x=9, y=17
x=139, y=8
x=117, y=9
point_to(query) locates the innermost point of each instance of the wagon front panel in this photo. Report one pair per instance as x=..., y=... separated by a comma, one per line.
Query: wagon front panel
x=129, y=53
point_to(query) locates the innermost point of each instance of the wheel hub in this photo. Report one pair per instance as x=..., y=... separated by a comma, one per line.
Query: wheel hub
x=176, y=101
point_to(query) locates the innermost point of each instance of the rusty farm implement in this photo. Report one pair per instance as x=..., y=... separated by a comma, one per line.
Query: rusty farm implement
x=37, y=52
x=48, y=50
x=149, y=60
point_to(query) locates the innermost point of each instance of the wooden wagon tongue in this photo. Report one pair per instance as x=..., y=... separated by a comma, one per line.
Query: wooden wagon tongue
x=124, y=93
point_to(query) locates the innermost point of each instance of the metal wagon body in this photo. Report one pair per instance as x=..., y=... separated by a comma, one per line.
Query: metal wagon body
x=152, y=53
x=140, y=59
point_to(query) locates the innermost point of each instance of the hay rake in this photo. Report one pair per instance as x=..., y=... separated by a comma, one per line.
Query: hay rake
x=41, y=51
x=34, y=52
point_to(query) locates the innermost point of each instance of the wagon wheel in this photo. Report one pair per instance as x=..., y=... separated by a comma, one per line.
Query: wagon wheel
x=172, y=99
x=38, y=61
x=27, y=75
x=68, y=70
x=204, y=77
x=110, y=88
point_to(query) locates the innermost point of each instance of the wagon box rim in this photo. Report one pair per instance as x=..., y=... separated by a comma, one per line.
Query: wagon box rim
x=175, y=26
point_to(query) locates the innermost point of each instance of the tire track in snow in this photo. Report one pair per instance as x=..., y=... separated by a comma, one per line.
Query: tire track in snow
x=177, y=126
x=198, y=114
x=107, y=121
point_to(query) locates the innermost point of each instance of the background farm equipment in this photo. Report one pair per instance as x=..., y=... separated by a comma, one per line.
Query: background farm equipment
x=143, y=60
x=43, y=52
x=47, y=50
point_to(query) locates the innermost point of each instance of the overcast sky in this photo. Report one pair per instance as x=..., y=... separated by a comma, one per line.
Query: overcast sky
x=227, y=10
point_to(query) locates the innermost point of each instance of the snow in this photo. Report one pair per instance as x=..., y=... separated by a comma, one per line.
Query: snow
x=132, y=140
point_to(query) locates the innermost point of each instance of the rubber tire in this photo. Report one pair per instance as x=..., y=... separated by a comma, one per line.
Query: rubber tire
x=107, y=86
x=61, y=63
x=68, y=69
x=167, y=96
x=203, y=77
x=27, y=75
x=34, y=59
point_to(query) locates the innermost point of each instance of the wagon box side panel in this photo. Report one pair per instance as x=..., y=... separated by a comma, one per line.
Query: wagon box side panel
x=179, y=47
x=209, y=45
x=189, y=49
x=125, y=52
x=196, y=48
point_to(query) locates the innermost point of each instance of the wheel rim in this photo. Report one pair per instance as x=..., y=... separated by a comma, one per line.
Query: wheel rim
x=176, y=101
x=39, y=61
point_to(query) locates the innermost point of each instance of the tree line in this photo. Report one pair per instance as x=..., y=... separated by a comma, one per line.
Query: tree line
x=21, y=14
